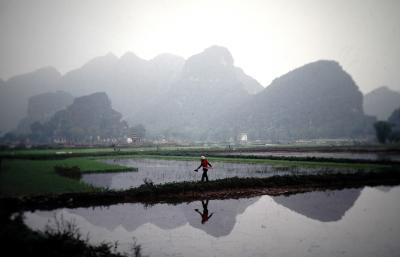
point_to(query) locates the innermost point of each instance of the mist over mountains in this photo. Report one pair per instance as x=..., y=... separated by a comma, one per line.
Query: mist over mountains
x=42, y=107
x=15, y=92
x=205, y=97
x=207, y=88
x=89, y=118
x=381, y=102
x=317, y=100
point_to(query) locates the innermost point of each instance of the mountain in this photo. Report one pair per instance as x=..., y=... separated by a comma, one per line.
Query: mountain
x=395, y=119
x=15, y=92
x=208, y=86
x=249, y=84
x=317, y=100
x=88, y=119
x=205, y=97
x=381, y=102
x=141, y=90
x=167, y=94
x=168, y=67
x=42, y=107
x=2, y=128
x=132, y=83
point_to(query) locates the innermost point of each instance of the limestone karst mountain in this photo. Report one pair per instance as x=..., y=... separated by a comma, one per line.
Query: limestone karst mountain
x=15, y=93
x=42, y=107
x=88, y=119
x=205, y=97
x=208, y=87
x=317, y=100
x=381, y=102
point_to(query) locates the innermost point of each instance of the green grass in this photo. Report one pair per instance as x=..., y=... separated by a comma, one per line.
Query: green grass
x=90, y=165
x=27, y=177
x=290, y=163
x=174, y=150
x=192, y=153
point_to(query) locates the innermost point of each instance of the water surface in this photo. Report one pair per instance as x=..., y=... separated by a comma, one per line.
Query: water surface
x=163, y=171
x=351, y=222
x=391, y=156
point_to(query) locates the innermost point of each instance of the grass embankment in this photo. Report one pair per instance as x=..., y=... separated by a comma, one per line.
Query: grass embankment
x=26, y=177
x=217, y=189
x=337, y=180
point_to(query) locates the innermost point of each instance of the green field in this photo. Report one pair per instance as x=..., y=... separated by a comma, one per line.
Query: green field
x=31, y=171
x=251, y=160
x=22, y=177
x=100, y=150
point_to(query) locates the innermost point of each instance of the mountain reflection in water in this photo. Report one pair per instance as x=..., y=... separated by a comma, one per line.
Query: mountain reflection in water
x=349, y=222
x=132, y=216
x=323, y=206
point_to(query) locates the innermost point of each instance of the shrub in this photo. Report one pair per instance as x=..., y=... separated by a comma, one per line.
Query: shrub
x=73, y=172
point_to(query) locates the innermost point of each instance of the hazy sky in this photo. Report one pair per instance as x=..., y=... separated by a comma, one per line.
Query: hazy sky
x=266, y=38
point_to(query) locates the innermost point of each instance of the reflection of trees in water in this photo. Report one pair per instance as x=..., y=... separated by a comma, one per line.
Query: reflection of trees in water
x=324, y=206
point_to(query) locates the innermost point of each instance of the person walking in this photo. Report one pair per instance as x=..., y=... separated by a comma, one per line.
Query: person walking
x=205, y=164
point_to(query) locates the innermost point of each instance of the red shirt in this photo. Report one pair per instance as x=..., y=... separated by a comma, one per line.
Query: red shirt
x=204, y=163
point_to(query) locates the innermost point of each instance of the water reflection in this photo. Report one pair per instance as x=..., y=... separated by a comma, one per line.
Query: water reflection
x=225, y=213
x=362, y=222
x=323, y=206
x=377, y=156
x=163, y=171
x=204, y=215
x=132, y=216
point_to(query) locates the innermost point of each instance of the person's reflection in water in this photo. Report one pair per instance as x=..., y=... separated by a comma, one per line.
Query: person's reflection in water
x=204, y=216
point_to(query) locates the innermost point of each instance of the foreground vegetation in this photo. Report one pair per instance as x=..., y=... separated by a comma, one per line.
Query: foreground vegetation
x=27, y=177
x=65, y=240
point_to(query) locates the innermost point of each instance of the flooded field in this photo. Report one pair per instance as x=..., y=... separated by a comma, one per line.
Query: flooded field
x=351, y=222
x=163, y=171
x=331, y=155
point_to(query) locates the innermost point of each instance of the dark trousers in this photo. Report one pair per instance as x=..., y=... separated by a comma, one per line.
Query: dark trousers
x=204, y=176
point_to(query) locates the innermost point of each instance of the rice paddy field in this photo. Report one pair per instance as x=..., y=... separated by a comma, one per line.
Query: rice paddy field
x=150, y=202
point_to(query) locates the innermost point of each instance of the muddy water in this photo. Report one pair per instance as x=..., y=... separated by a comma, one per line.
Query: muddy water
x=162, y=171
x=351, y=222
x=331, y=155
